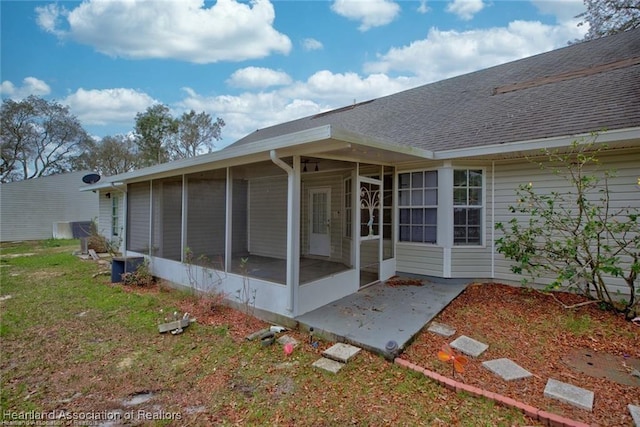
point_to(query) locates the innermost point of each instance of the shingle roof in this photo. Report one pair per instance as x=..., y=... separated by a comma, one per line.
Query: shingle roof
x=552, y=94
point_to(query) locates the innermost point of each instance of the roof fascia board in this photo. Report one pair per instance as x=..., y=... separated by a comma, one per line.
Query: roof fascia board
x=356, y=138
x=603, y=137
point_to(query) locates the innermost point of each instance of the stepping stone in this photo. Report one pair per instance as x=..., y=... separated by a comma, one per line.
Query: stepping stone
x=328, y=365
x=576, y=396
x=286, y=339
x=506, y=369
x=441, y=329
x=635, y=414
x=469, y=346
x=341, y=352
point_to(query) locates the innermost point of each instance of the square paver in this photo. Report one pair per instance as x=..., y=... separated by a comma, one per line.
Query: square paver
x=506, y=369
x=635, y=414
x=441, y=329
x=328, y=365
x=568, y=393
x=341, y=352
x=469, y=346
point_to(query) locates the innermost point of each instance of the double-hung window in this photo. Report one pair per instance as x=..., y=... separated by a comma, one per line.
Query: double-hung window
x=467, y=207
x=115, y=217
x=418, y=206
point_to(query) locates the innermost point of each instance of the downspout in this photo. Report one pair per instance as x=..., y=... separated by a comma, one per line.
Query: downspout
x=292, y=235
x=493, y=219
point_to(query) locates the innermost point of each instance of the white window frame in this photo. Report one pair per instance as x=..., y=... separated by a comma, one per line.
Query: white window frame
x=401, y=206
x=481, y=206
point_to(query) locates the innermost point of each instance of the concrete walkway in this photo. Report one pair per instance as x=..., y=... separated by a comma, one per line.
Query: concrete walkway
x=381, y=313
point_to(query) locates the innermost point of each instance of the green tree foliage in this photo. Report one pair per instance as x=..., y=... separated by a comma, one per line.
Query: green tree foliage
x=160, y=137
x=606, y=17
x=196, y=133
x=155, y=130
x=112, y=155
x=579, y=238
x=38, y=138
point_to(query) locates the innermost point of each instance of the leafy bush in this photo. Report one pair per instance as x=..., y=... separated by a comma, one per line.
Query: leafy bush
x=578, y=237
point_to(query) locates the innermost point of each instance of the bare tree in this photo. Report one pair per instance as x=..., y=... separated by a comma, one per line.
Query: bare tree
x=38, y=138
x=112, y=155
x=607, y=17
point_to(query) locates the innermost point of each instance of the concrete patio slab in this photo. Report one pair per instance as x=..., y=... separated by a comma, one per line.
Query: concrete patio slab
x=441, y=329
x=506, y=369
x=379, y=313
x=635, y=414
x=469, y=346
x=568, y=393
x=341, y=352
x=328, y=365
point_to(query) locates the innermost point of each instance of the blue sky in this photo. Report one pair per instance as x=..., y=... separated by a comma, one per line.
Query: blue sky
x=257, y=63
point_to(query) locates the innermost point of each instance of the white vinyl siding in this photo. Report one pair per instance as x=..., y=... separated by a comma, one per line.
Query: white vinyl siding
x=471, y=262
x=419, y=259
x=29, y=209
x=624, y=191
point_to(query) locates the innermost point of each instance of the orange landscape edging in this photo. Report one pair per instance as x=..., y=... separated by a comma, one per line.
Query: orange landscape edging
x=528, y=410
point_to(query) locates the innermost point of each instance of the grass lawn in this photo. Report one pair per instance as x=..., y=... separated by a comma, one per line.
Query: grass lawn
x=79, y=347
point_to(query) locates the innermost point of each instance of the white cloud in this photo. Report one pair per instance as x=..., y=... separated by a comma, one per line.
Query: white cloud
x=322, y=91
x=257, y=77
x=185, y=30
x=311, y=44
x=108, y=106
x=30, y=86
x=371, y=13
x=423, y=8
x=563, y=10
x=449, y=53
x=465, y=9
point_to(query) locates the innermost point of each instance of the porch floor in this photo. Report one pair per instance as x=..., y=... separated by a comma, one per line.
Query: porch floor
x=275, y=269
x=380, y=313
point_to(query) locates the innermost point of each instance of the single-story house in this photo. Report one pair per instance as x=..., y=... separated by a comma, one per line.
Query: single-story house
x=309, y=211
x=45, y=207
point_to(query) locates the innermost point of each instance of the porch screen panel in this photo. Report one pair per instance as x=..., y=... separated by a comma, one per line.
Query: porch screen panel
x=206, y=218
x=268, y=217
x=167, y=218
x=138, y=217
x=239, y=224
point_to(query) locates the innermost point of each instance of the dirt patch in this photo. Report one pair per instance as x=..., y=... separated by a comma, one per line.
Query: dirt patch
x=403, y=281
x=532, y=329
x=597, y=364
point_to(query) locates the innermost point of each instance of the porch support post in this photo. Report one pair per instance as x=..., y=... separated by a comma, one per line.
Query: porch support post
x=228, y=239
x=445, y=215
x=293, y=228
x=185, y=207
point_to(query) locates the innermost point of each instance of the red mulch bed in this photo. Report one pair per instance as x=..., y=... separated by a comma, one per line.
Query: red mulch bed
x=536, y=332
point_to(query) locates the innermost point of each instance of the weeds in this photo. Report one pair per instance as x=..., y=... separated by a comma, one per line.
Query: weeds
x=140, y=277
x=246, y=295
x=206, y=276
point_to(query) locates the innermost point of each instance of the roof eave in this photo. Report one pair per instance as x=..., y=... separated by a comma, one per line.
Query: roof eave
x=535, y=145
